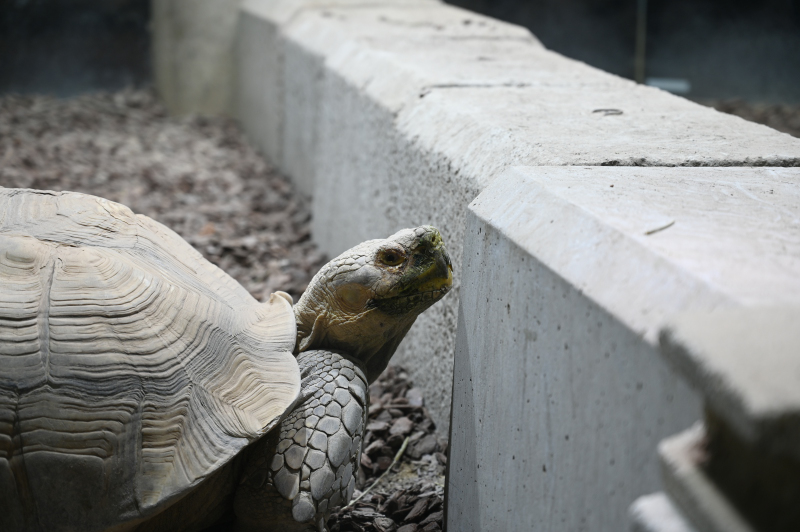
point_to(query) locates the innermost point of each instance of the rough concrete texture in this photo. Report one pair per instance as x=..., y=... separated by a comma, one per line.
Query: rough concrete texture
x=691, y=490
x=399, y=114
x=656, y=513
x=746, y=362
x=567, y=275
x=193, y=54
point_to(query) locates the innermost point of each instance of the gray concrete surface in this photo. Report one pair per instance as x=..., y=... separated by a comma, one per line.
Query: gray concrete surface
x=656, y=513
x=193, y=60
x=399, y=114
x=560, y=396
x=747, y=361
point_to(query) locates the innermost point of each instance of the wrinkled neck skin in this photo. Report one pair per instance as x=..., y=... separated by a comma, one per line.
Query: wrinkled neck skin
x=370, y=340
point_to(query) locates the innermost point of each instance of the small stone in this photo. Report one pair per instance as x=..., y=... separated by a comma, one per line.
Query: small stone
x=323, y=506
x=319, y=411
x=336, y=498
x=342, y=396
x=415, y=398
x=401, y=426
x=286, y=483
x=283, y=445
x=277, y=462
x=347, y=372
x=315, y=459
x=319, y=440
x=328, y=425
x=339, y=448
x=342, y=381
x=334, y=409
x=291, y=433
x=337, y=365
x=419, y=509
x=327, y=378
x=308, y=412
x=329, y=387
x=303, y=509
x=435, y=517
x=294, y=456
x=311, y=421
x=305, y=471
x=426, y=445
x=299, y=423
x=305, y=485
x=352, y=417
x=321, y=481
x=384, y=524
x=325, y=399
x=377, y=426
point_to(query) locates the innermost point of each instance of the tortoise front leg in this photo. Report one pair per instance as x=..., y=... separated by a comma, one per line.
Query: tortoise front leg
x=293, y=481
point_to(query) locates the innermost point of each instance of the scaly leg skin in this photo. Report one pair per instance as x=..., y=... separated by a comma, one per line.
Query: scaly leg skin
x=294, y=479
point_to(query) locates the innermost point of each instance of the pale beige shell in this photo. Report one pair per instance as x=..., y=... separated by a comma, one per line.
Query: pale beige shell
x=130, y=367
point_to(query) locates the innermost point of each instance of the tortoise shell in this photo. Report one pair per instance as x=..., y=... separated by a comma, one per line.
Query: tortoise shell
x=130, y=367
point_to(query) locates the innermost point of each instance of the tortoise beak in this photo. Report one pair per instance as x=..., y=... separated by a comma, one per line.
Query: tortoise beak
x=439, y=276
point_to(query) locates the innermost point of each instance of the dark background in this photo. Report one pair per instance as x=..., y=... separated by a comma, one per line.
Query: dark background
x=725, y=48
x=66, y=47
x=746, y=49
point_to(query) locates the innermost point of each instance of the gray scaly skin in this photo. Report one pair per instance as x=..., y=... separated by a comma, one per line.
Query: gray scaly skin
x=312, y=468
x=349, y=323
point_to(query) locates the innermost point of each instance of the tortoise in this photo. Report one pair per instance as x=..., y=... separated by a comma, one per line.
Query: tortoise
x=142, y=388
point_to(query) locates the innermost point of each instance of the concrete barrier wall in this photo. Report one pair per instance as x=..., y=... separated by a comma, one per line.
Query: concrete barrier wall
x=568, y=273
x=193, y=43
x=395, y=114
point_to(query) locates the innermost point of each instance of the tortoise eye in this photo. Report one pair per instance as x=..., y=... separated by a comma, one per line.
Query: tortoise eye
x=392, y=257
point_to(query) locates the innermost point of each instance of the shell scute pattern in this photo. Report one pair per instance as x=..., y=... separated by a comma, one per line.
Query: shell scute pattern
x=126, y=360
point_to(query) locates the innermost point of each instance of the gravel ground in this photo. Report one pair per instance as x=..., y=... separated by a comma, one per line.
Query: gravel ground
x=784, y=117
x=201, y=178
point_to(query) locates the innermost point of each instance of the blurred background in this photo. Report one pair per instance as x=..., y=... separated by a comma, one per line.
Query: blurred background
x=741, y=56
x=67, y=47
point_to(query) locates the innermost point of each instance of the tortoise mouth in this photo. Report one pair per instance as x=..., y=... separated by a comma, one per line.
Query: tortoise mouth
x=405, y=303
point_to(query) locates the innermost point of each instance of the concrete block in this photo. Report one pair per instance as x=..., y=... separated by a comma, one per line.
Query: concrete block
x=746, y=362
x=259, y=87
x=193, y=59
x=656, y=513
x=568, y=273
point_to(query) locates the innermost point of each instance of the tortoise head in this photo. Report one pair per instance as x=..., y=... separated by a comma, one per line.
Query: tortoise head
x=363, y=302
